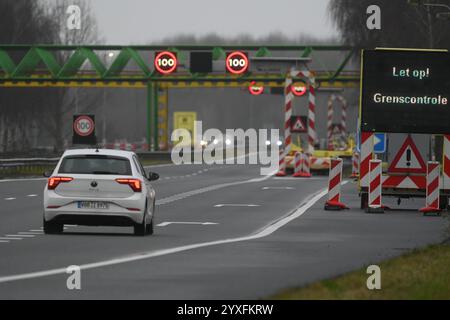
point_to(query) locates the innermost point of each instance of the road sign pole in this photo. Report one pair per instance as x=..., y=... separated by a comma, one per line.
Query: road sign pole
x=155, y=117
x=149, y=114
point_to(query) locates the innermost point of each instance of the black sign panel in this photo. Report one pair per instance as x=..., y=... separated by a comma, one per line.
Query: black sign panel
x=84, y=129
x=405, y=91
x=201, y=62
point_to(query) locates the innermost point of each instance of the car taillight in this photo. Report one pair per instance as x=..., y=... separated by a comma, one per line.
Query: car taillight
x=53, y=182
x=135, y=184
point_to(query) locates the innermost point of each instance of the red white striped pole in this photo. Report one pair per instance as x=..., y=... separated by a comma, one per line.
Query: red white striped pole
x=355, y=165
x=304, y=165
x=334, y=186
x=375, y=172
x=281, y=165
x=432, y=190
x=288, y=96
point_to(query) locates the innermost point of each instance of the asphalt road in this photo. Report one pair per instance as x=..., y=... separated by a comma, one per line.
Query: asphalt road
x=225, y=233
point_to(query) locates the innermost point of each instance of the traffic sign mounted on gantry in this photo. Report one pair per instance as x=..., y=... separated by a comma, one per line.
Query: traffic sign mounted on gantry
x=237, y=62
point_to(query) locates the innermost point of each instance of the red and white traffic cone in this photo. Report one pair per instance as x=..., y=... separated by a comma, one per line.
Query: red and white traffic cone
x=375, y=171
x=432, y=192
x=355, y=165
x=334, y=186
x=281, y=165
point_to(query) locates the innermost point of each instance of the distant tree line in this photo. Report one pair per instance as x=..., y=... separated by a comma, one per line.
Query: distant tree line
x=27, y=114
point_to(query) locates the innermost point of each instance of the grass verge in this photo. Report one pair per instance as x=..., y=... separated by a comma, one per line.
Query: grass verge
x=420, y=274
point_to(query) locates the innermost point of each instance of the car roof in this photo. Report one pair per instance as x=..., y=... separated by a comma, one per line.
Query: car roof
x=108, y=152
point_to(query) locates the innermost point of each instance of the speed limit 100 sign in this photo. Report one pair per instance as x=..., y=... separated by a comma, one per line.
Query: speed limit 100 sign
x=84, y=129
x=236, y=62
x=165, y=62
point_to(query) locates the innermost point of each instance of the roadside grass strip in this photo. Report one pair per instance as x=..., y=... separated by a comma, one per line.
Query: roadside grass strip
x=421, y=274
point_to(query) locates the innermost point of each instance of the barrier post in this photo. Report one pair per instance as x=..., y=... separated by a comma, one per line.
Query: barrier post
x=375, y=171
x=432, y=189
x=298, y=164
x=355, y=165
x=281, y=165
x=334, y=186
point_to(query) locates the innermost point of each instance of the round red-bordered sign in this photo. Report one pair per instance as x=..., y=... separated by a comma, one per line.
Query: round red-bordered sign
x=236, y=62
x=166, y=62
x=298, y=88
x=255, y=89
x=83, y=126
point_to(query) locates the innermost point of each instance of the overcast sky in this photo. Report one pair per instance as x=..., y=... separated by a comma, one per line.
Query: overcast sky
x=141, y=21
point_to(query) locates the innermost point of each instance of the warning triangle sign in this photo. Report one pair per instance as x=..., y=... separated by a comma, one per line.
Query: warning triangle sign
x=408, y=159
x=298, y=124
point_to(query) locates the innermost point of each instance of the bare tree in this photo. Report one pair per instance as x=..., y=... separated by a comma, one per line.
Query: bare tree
x=402, y=24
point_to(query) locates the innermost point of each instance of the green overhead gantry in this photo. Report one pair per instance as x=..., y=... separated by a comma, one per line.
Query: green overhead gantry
x=132, y=67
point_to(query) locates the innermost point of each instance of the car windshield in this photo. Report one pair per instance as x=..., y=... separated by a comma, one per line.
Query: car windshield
x=95, y=164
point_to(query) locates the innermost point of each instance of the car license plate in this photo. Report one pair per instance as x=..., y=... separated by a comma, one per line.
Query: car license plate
x=92, y=205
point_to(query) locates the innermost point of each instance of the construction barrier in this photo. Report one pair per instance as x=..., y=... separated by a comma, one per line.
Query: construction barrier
x=298, y=164
x=281, y=165
x=375, y=172
x=432, y=189
x=334, y=186
x=343, y=122
x=355, y=165
x=302, y=162
x=288, y=97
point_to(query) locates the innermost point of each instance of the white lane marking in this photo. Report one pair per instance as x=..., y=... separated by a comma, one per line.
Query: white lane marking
x=191, y=193
x=29, y=179
x=278, y=188
x=220, y=205
x=32, y=195
x=166, y=223
x=4, y=241
x=19, y=235
x=30, y=232
x=36, y=230
x=11, y=238
x=264, y=232
x=9, y=199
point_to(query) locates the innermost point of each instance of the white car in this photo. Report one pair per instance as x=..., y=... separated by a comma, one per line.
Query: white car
x=99, y=187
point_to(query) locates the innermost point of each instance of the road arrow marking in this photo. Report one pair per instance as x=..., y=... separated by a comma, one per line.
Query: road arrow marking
x=235, y=205
x=166, y=223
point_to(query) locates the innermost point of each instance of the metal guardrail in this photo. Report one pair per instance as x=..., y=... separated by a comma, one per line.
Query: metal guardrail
x=48, y=162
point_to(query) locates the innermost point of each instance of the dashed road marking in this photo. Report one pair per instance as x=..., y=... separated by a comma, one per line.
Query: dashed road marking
x=11, y=238
x=32, y=195
x=9, y=199
x=20, y=235
x=264, y=232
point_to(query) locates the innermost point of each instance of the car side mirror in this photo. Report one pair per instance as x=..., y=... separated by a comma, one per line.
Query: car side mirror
x=152, y=176
x=47, y=174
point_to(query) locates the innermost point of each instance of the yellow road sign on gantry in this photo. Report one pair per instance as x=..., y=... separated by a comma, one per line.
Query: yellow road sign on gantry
x=185, y=120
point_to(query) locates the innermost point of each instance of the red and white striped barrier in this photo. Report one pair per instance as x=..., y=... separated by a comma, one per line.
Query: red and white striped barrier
x=288, y=97
x=432, y=190
x=303, y=169
x=281, y=165
x=355, y=165
x=375, y=172
x=298, y=163
x=334, y=186
x=343, y=123
x=366, y=156
x=446, y=164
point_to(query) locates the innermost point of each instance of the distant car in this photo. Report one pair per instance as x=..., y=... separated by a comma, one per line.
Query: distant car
x=99, y=187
